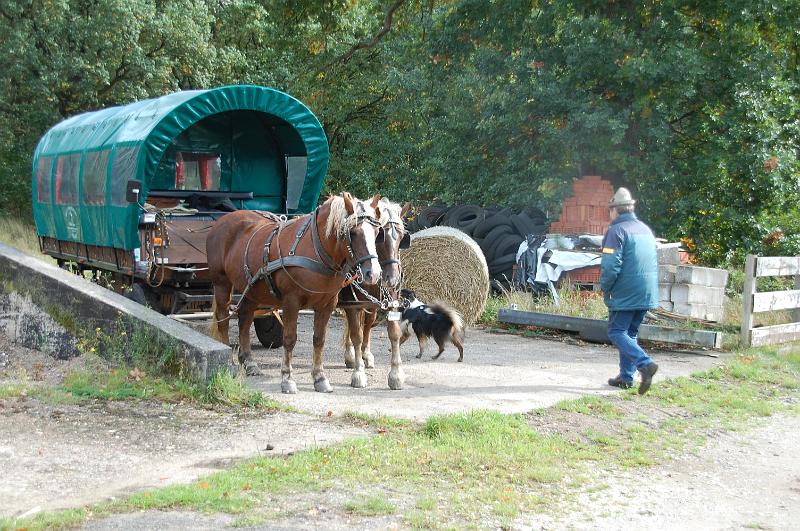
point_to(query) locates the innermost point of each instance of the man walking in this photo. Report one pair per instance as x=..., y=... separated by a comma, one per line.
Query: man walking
x=629, y=280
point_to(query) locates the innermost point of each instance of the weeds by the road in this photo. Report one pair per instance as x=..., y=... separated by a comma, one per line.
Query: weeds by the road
x=485, y=468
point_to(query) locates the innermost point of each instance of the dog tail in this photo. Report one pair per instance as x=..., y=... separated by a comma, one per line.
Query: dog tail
x=456, y=321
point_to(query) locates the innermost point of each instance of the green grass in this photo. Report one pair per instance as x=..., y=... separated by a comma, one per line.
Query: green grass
x=371, y=506
x=484, y=469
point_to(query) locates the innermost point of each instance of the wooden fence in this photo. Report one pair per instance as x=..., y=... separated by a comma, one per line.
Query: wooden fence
x=755, y=302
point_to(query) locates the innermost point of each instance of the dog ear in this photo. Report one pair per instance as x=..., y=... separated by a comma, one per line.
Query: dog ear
x=405, y=243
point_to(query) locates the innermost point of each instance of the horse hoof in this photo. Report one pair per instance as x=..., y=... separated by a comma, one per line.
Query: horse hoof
x=396, y=379
x=369, y=360
x=359, y=380
x=251, y=369
x=349, y=363
x=322, y=386
x=288, y=387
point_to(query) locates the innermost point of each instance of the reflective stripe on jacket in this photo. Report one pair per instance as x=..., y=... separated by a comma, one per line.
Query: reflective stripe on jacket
x=629, y=267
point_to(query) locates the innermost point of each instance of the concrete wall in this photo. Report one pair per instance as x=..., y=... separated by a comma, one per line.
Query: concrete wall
x=46, y=308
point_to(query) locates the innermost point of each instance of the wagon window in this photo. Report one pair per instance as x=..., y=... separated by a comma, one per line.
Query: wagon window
x=44, y=170
x=197, y=171
x=123, y=168
x=95, y=169
x=67, y=169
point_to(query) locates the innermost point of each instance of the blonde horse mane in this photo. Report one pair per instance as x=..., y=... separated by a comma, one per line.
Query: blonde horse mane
x=390, y=212
x=339, y=221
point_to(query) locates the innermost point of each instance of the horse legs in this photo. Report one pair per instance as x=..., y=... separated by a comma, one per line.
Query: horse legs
x=359, y=377
x=246, y=313
x=396, y=375
x=366, y=352
x=349, y=351
x=321, y=318
x=290, y=313
x=220, y=320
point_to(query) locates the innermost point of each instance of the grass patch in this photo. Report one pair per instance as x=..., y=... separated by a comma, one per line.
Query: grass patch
x=372, y=506
x=224, y=389
x=590, y=405
x=484, y=469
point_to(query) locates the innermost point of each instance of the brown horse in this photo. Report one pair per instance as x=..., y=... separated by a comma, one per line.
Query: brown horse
x=361, y=306
x=298, y=264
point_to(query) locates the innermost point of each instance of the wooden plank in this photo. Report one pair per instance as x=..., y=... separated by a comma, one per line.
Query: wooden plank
x=747, y=299
x=769, y=335
x=776, y=300
x=778, y=266
x=700, y=338
x=596, y=329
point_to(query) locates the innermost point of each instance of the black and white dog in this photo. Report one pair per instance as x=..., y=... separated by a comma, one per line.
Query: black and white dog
x=435, y=320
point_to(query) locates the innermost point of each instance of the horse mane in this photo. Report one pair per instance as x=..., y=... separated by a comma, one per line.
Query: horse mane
x=339, y=221
x=390, y=212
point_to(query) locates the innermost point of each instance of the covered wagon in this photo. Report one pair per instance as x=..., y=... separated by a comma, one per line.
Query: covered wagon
x=130, y=192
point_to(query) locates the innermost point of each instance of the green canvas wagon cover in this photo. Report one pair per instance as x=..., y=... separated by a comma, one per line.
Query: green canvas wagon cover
x=239, y=138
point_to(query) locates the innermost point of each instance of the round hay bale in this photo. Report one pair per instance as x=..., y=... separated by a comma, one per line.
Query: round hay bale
x=445, y=265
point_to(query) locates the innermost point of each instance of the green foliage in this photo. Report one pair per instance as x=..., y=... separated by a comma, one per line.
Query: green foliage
x=692, y=105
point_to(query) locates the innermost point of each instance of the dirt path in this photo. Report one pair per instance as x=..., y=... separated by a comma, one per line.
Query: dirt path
x=745, y=480
x=56, y=456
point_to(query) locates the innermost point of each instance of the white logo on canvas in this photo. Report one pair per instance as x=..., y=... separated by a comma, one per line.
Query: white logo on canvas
x=71, y=218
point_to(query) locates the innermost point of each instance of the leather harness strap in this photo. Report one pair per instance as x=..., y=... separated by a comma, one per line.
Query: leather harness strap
x=326, y=266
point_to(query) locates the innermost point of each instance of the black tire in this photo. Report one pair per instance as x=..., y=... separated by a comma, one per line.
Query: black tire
x=484, y=227
x=144, y=295
x=491, y=238
x=464, y=217
x=269, y=331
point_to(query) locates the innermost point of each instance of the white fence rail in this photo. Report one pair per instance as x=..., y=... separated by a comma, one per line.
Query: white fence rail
x=755, y=302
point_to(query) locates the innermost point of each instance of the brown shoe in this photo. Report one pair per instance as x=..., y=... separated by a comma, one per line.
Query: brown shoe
x=647, y=373
x=617, y=381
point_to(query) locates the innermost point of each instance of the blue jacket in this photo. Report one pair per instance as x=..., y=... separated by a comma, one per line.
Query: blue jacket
x=629, y=268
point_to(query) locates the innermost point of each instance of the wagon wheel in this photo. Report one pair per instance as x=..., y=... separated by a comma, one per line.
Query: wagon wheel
x=145, y=296
x=269, y=331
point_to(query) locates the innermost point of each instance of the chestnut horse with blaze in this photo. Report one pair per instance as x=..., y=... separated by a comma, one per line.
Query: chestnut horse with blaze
x=294, y=264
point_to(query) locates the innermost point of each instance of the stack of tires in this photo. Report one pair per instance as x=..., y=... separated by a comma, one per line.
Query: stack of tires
x=498, y=232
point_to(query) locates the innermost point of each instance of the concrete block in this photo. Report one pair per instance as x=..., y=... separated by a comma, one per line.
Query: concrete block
x=664, y=292
x=697, y=294
x=704, y=276
x=665, y=305
x=668, y=255
x=666, y=273
x=39, y=300
x=699, y=311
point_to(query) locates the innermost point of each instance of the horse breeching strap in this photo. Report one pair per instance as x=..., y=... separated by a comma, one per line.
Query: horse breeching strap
x=325, y=264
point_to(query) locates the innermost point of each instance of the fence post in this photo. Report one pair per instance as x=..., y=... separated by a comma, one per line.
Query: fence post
x=747, y=299
x=796, y=311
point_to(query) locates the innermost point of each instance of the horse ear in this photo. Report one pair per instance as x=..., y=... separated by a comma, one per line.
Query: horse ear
x=375, y=200
x=405, y=209
x=348, y=203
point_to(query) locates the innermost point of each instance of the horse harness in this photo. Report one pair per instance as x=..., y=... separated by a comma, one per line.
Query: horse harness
x=324, y=265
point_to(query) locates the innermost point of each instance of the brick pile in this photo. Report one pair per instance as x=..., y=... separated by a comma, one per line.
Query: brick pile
x=586, y=211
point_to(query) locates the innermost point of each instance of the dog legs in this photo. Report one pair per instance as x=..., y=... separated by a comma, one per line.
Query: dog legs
x=422, y=341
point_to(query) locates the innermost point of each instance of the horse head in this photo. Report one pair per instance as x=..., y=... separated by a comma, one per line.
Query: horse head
x=359, y=223
x=391, y=239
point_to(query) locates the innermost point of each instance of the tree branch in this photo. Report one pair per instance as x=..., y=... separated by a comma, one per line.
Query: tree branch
x=387, y=26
